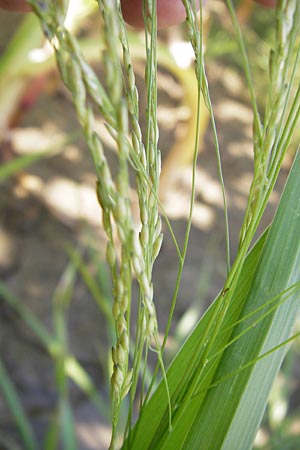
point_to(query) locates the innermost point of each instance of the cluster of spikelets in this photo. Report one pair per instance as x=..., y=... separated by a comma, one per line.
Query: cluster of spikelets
x=118, y=104
x=271, y=136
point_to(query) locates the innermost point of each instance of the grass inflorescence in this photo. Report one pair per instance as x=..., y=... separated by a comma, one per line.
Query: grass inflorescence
x=132, y=248
x=119, y=107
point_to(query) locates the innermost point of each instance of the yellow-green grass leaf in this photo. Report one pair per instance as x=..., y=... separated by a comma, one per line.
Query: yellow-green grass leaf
x=153, y=418
x=227, y=415
x=241, y=399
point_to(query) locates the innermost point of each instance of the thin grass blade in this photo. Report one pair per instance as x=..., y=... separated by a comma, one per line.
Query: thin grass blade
x=12, y=398
x=16, y=165
x=73, y=368
x=61, y=301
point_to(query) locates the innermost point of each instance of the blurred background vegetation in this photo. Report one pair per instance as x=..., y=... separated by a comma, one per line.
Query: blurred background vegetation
x=55, y=295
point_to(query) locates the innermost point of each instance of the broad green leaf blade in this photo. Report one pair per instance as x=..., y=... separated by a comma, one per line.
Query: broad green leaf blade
x=243, y=398
x=227, y=415
x=153, y=420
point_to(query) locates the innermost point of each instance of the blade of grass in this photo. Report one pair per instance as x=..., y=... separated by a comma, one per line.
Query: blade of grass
x=67, y=424
x=61, y=301
x=52, y=435
x=22, y=162
x=263, y=276
x=73, y=368
x=12, y=399
x=27, y=37
x=92, y=286
x=16, y=165
x=244, y=396
x=241, y=399
x=152, y=419
x=29, y=318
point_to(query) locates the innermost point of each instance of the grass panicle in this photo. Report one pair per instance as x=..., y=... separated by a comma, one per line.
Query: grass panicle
x=238, y=319
x=266, y=136
x=118, y=104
